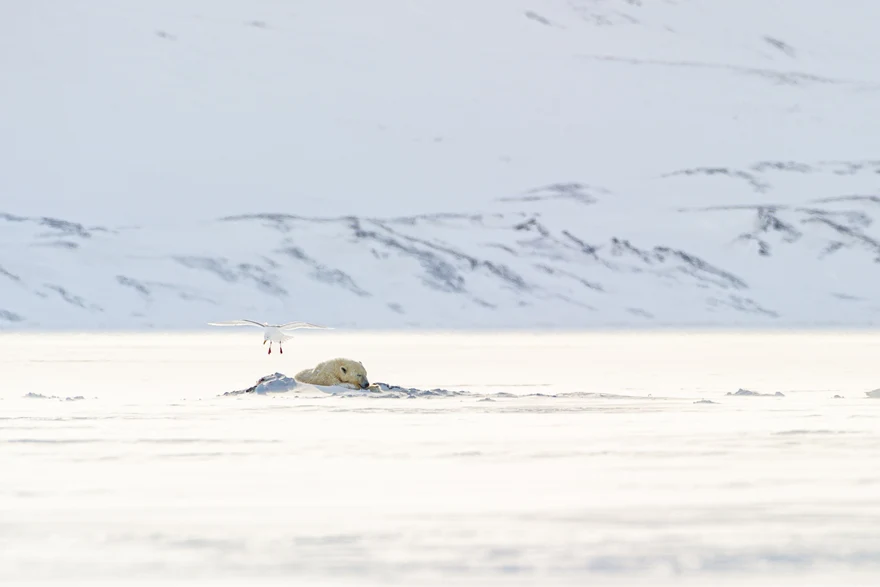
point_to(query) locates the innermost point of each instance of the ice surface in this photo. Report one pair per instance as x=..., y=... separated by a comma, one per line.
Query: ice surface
x=596, y=462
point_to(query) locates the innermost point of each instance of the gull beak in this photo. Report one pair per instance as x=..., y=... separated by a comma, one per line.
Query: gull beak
x=264, y=341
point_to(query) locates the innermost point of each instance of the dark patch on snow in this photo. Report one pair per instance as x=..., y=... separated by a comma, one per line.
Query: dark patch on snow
x=781, y=46
x=791, y=78
x=854, y=167
x=326, y=274
x=693, y=265
x=506, y=274
x=794, y=166
x=523, y=250
x=503, y=247
x=537, y=18
x=829, y=219
x=71, y=298
x=440, y=274
x=854, y=218
x=10, y=275
x=755, y=183
x=483, y=303
x=134, y=284
x=583, y=246
x=283, y=222
x=850, y=198
x=216, y=266
x=69, y=245
x=532, y=224
x=749, y=393
x=742, y=304
x=66, y=227
x=847, y=297
x=271, y=263
x=59, y=227
x=182, y=292
x=578, y=192
x=543, y=245
x=442, y=219
x=769, y=222
x=445, y=267
x=586, y=283
x=832, y=248
x=698, y=267
x=32, y=395
x=386, y=388
x=848, y=224
x=264, y=280
x=599, y=17
x=640, y=312
x=8, y=316
x=567, y=300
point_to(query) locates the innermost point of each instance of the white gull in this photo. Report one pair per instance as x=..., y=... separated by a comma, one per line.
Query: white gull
x=272, y=332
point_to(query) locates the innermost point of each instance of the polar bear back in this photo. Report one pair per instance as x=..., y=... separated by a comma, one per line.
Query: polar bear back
x=338, y=371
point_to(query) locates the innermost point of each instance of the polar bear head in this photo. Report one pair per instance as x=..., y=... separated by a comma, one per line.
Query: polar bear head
x=352, y=372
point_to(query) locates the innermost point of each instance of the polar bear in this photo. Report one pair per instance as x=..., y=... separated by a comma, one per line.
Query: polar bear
x=338, y=371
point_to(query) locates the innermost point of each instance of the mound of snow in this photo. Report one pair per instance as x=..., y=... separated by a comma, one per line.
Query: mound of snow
x=274, y=383
x=750, y=393
x=281, y=383
x=32, y=395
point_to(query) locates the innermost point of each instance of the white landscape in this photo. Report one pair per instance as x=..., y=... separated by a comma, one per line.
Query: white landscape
x=557, y=234
x=570, y=459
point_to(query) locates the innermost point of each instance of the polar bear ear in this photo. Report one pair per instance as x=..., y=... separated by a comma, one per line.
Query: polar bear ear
x=344, y=370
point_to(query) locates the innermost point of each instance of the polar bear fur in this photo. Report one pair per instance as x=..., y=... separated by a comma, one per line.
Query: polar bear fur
x=338, y=371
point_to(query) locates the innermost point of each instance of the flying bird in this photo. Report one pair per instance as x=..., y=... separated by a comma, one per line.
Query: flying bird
x=272, y=332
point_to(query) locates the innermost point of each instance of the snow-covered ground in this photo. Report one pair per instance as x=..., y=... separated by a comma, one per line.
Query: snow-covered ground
x=388, y=167
x=392, y=164
x=601, y=459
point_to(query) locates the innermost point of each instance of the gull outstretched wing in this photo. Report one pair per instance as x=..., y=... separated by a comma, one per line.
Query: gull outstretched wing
x=295, y=325
x=238, y=323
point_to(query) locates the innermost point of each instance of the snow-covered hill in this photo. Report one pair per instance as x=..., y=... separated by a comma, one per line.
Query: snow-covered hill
x=439, y=164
